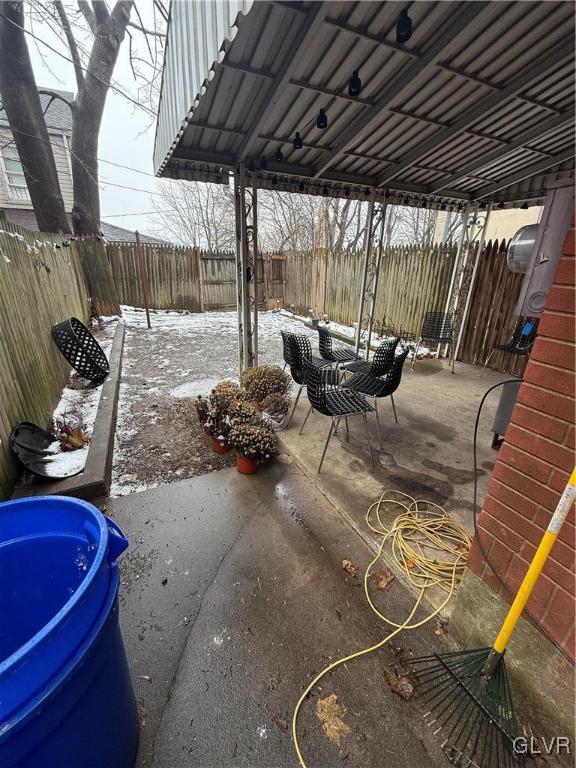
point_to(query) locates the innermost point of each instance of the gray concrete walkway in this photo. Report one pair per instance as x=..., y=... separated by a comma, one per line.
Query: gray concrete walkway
x=233, y=597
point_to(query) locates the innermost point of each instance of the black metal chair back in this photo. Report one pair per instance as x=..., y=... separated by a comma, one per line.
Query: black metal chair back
x=522, y=338
x=298, y=350
x=383, y=359
x=316, y=387
x=325, y=344
x=437, y=327
x=394, y=376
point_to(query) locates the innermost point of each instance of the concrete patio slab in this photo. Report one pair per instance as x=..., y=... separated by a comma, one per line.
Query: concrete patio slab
x=427, y=455
x=233, y=597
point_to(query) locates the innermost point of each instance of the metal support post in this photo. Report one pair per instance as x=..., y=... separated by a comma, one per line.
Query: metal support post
x=256, y=269
x=239, y=271
x=375, y=276
x=367, y=249
x=247, y=272
x=464, y=317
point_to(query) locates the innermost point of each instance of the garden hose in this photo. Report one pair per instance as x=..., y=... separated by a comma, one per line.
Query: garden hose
x=420, y=524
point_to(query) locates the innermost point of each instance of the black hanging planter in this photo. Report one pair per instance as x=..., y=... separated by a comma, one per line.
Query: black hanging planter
x=81, y=349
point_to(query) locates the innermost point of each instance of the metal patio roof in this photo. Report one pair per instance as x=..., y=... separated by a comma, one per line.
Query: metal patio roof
x=478, y=104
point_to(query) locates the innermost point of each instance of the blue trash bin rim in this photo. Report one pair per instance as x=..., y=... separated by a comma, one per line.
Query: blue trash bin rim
x=78, y=595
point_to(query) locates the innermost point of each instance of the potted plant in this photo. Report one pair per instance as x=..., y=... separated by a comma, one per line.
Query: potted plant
x=254, y=443
x=275, y=406
x=218, y=427
x=202, y=407
x=264, y=380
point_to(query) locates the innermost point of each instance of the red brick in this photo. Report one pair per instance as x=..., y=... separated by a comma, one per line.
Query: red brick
x=551, y=452
x=524, y=529
x=475, y=559
x=490, y=578
x=547, y=426
x=547, y=402
x=499, y=556
x=557, y=326
x=559, y=479
x=568, y=531
x=565, y=272
x=543, y=589
x=511, y=498
x=525, y=462
x=549, y=377
x=558, y=353
x=559, y=618
x=560, y=575
x=569, y=644
x=569, y=247
x=561, y=299
x=505, y=533
x=569, y=439
x=564, y=554
x=535, y=492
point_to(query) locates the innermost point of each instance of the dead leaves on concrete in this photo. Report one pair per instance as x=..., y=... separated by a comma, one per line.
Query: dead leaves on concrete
x=331, y=714
x=382, y=578
x=403, y=685
x=349, y=566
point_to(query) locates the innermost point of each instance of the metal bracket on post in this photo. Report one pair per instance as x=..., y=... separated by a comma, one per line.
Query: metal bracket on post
x=371, y=270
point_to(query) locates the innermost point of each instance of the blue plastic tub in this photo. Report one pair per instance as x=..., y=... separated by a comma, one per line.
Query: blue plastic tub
x=66, y=698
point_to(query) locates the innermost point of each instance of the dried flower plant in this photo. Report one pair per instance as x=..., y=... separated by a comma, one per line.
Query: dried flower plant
x=276, y=405
x=254, y=441
x=202, y=407
x=263, y=381
x=225, y=393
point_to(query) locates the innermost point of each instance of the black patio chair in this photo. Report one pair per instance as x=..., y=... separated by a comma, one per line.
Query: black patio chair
x=336, y=402
x=380, y=363
x=437, y=328
x=521, y=343
x=379, y=386
x=296, y=348
x=328, y=352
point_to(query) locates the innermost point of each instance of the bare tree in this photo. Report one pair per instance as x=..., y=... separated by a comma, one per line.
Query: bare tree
x=93, y=71
x=415, y=226
x=197, y=213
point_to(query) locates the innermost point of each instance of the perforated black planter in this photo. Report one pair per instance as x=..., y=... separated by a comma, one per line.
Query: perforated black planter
x=81, y=349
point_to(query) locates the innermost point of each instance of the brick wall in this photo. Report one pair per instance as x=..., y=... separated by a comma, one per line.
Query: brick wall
x=533, y=466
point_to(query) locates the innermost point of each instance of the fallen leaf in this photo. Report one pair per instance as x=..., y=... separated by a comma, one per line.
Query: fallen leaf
x=349, y=566
x=400, y=684
x=437, y=631
x=410, y=565
x=330, y=714
x=382, y=578
x=141, y=716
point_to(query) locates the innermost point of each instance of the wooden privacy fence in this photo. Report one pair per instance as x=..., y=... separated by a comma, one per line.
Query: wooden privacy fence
x=188, y=278
x=37, y=290
x=413, y=280
x=490, y=318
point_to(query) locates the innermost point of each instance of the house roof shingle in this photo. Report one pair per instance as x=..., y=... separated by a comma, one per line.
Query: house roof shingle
x=58, y=115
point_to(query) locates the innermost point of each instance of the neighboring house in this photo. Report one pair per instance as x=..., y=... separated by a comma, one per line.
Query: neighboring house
x=14, y=197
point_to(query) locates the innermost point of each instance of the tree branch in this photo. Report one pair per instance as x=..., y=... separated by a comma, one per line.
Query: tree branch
x=56, y=95
x=143, y=29
x=101, y=13
x=71, y=44
x=88, y=14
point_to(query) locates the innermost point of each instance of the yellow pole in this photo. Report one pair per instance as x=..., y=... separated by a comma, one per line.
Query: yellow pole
x=538, y=561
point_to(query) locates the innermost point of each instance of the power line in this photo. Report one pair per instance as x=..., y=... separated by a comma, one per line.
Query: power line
x=139, y=213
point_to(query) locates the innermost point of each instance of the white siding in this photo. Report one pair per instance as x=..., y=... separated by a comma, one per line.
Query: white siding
x=62, y=166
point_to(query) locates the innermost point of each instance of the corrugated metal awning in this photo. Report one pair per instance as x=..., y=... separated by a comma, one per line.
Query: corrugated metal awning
x=478, y=104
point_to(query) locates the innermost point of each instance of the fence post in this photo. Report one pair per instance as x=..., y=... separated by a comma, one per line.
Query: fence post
x=143, y=277
x=198, y=258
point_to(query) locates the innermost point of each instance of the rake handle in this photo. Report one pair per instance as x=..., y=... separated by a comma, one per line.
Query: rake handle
x=538, y=561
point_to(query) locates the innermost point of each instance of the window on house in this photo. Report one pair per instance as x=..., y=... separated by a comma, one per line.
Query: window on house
x=14, y=174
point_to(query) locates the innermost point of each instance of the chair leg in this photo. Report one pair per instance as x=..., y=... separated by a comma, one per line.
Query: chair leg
x=453, y=358
x=394, y=408
x=333, y=428
x=486, y=363
x=305, y=420
x=378, y=422
x=368, y=437
x=415, y=353
x=347, y=429
x=294, y=407
x=284, y=368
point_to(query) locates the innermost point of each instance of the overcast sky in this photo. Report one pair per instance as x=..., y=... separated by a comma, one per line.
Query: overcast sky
x=126, y=134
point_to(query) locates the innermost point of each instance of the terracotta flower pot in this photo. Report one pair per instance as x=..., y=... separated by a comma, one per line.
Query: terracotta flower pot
x=220, y=445
x=244, y=465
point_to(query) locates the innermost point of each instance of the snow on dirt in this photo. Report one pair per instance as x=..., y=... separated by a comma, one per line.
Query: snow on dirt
x=158, y=437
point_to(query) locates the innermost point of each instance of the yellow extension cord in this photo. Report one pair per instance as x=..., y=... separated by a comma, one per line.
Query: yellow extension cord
x=421, y=523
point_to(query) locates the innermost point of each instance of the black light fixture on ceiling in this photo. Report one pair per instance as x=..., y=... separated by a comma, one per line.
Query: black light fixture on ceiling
x=500, y=206
x=443, y=207
x=279, y=155
x=406, y=201
x=424, y=204
x=460, y=207
x=347, y=191
x=297, y=143
x=301, y=187
x=263, y=163
x=387, y=194
x=482, y=206
x=403, y=27
x=524, y=206
x=324, y=191
x=354, y=84
x=274, y=179
x=322, y=120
